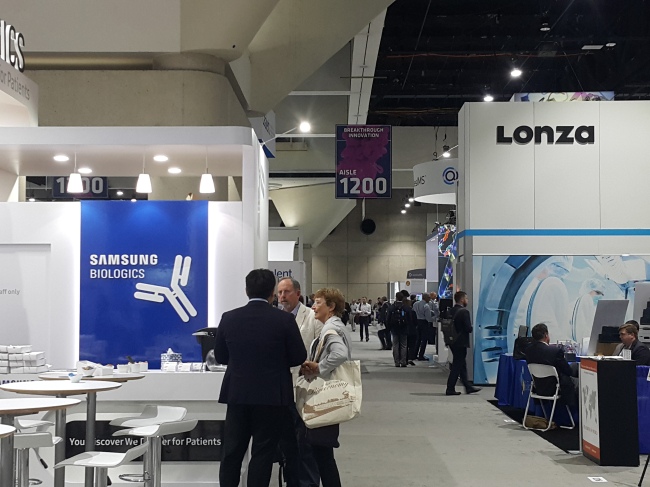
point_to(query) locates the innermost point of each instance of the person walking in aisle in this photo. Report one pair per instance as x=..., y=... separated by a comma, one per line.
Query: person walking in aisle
x=412, y=331
x=384, y=333
x=364, y=317
x=397, y=322
x=354, y=311
x=328, y=307
x=423, y=316
x=463, y=326
x=259, y=344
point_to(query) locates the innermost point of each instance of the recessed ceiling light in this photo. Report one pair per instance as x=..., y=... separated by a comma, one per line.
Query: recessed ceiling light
x=61, y=158
x=160, y=158
x=403, y=212
x=407, y=205
x=610, y=44
x=120, y=193
x=32, y=199
x=304, y=127
x=411, y=199
x=545, y=27
x=84, y=170
x=174, y=170
x=592, y=47
x=488, y=98
x=515, y=73
x=133, y=200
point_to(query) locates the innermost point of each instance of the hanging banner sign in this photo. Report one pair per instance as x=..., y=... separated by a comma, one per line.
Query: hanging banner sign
x=144, y=280
x=363, y=161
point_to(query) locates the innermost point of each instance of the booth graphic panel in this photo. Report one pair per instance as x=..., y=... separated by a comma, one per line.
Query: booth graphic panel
x=561, y=291
x=143, y=279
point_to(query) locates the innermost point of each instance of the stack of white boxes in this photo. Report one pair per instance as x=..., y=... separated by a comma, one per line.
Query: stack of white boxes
x=19, y=359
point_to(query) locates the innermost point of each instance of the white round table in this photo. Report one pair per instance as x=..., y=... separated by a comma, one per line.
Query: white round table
x=116, y=377
x=9, y=409
x=60, y=388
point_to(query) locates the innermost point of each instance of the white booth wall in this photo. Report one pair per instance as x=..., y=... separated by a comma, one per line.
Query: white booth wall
x=574, y=202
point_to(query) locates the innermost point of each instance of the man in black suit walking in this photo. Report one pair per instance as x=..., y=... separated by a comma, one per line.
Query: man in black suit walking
x=463, y=326
x=259, y=344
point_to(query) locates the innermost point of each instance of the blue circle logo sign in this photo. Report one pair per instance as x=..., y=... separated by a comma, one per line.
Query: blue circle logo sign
x=450, y=175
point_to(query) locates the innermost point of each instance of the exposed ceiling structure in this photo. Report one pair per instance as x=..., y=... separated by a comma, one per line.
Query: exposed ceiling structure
x=436, y=55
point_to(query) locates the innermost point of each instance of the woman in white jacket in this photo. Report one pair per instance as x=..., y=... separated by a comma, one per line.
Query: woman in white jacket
x=328, y=307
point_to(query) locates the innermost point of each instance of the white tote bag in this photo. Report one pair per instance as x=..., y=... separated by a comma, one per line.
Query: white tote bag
x=327, y=402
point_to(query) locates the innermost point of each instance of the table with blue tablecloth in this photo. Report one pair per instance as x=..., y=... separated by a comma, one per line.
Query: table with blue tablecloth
x=513, y=386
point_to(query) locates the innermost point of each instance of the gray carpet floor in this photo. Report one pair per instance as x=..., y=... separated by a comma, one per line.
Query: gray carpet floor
x=411, y=435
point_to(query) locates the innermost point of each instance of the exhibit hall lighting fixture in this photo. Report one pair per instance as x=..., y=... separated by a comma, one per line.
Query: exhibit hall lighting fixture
x=488, y=98
x=446, y=152
x=160, y=158
x=207, y=183
x=75, y=185
x=411, y=199
x=32, y=200
x=61, y=158
x=304, y=127
x=85, y=170
x=174, y=170
x=403, y=212
x=407, y=205
x=144, y=181
x=120, y=193
x=515, y=73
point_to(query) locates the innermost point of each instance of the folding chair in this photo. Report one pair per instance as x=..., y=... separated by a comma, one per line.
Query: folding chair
x=539, y=371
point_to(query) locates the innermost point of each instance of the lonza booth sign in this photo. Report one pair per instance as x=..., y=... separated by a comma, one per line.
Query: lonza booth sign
x=12, y=44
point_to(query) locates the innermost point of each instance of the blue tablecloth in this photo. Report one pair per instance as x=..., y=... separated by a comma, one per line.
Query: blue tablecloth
x=513, y=386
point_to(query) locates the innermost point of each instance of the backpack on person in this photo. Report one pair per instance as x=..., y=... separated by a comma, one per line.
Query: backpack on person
x=448, y=329
x=398, y=318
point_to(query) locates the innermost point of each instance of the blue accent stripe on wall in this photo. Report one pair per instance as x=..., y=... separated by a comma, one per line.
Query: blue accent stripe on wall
x=564, y=232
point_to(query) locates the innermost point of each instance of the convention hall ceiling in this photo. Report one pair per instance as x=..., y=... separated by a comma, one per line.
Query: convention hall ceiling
x=436, y=55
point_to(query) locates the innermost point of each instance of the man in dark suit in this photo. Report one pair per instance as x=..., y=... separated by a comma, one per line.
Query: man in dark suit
x=259, y=344
x=463, y=326
x=629, y=335
x=540, y=352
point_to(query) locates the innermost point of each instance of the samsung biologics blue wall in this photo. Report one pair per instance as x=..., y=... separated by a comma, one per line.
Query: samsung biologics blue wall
x=144, y=280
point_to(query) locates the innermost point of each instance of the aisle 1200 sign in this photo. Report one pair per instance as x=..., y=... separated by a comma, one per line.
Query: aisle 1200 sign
x=363, y=161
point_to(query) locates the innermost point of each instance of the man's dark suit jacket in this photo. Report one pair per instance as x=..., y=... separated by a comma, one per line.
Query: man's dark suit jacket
x=541, y=353
x=463, y=325
x=259, y=344
x=640, y=353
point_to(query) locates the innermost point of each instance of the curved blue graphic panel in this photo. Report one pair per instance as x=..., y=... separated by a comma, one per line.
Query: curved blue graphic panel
x=144, y=281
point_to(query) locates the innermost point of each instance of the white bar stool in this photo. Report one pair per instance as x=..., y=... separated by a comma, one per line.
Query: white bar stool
x=23, y=442
x=102, y=461
x=154, y=434
x=152, y=414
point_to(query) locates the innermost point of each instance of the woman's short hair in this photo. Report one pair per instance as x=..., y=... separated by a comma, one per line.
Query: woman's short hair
x=332, y=296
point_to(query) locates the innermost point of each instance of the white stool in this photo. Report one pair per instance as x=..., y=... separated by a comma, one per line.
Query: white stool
x=22, y=444
x=102, y=461
x=154, y=434
x=151, y=415
x=25, y=424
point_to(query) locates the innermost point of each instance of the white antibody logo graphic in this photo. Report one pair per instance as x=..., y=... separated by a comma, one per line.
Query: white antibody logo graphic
x=173, y=293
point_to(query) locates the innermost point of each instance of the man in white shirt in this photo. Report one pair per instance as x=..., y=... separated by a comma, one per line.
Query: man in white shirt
x=364, y=317
x=289, y=298
x=354, y=307
x=300, y=464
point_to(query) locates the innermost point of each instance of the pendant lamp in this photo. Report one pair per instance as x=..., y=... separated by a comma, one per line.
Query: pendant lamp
x=144, y=181
x=75, y=185
x=207, y=183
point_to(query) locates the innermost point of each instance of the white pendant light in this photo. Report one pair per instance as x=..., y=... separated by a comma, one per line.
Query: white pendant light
x=207, y=183
x=75, y=185
x=144, y=181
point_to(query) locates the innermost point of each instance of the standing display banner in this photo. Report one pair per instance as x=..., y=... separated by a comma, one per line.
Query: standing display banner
x=290, y=268
x=144, y=279
x=363, y=161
